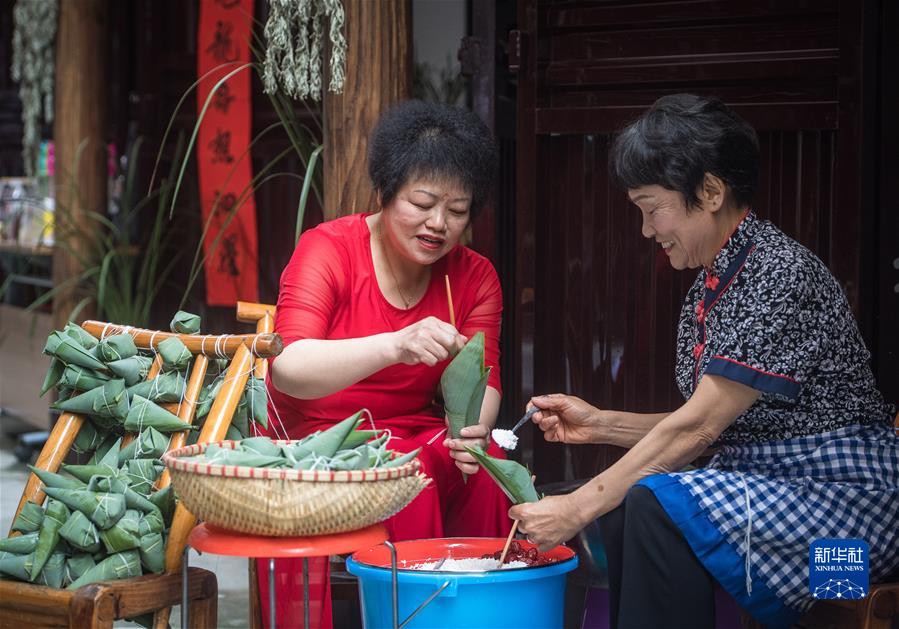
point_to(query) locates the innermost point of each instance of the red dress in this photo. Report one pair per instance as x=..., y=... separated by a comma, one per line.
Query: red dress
x=329, y=291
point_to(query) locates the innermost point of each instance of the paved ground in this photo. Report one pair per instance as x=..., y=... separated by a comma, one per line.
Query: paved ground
x=231, y=572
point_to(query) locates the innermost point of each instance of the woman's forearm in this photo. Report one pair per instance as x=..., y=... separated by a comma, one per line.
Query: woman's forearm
x=622, y=429
x=311, y=368
x=490, y=408
x=671, y=444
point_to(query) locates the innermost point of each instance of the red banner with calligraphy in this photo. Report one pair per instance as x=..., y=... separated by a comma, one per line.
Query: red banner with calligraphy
x=223, y=161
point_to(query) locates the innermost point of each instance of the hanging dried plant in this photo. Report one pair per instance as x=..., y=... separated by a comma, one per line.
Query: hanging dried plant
x=33, y=68
x=293, y=59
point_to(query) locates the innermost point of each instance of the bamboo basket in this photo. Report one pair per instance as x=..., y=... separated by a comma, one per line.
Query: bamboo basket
x=281, y=502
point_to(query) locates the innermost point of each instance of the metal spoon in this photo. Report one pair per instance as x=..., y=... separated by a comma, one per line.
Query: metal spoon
x=509, y=435
x=525, y=418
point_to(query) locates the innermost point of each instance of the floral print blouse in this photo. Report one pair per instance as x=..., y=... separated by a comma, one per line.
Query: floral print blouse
x=770, y=315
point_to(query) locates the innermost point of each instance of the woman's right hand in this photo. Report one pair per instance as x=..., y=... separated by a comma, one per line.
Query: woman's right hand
x=428, y=342
x=566, y=418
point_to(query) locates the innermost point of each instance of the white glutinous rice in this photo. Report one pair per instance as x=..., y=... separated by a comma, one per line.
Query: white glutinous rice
x=505, y=439
x=467, y=565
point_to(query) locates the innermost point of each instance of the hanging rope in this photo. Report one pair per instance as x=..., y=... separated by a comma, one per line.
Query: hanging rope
x=33, y=68
x=294, y=34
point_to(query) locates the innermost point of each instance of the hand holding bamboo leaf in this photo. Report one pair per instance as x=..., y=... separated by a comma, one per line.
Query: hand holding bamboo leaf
x=551, y=521
x=427, y=342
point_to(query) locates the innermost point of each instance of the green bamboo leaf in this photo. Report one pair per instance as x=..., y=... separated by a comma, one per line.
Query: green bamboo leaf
x=193, y=137
x=464, y=382
x=119, y=566
x=172, y=119
x=307, y=182
x=513, y=478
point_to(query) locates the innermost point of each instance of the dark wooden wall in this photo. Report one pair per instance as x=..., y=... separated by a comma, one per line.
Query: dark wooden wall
x=10, y=105
x=597, y=303
x=151, y=64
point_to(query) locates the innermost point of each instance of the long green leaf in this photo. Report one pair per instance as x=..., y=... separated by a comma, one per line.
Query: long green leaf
x=196, y=131
x=171, y=123
x=307, y=181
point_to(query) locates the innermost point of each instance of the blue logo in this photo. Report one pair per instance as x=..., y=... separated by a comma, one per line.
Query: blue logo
x=838, y=568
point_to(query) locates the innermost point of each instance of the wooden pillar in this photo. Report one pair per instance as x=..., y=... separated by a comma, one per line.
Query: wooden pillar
x=80, y=116
x=378, y=74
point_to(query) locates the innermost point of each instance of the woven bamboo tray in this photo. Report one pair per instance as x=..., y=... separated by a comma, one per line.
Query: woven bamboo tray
x=284, y=502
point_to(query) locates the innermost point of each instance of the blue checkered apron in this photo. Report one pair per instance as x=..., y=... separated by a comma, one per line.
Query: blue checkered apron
x=752, y=513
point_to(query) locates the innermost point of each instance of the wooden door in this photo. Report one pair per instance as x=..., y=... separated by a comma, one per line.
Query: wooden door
x=596, y=302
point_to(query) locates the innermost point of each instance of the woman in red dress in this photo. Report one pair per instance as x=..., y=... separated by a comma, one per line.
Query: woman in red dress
x=364, y=316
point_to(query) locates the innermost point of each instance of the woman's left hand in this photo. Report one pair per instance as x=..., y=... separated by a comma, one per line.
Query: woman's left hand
x=549, y=522
x=477, y=435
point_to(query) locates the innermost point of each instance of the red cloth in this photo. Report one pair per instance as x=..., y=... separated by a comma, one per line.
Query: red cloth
x=329, y=291
x=223, y=147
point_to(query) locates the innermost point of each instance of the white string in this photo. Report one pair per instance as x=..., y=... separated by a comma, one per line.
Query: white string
x=103, y=333
x=152, y=346
x=371, y=418
x=271, y=403
x=144, y=479
x=220, y=345
x=747, y=537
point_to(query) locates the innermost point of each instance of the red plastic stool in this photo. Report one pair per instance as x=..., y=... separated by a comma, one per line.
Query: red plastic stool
x=207, y=538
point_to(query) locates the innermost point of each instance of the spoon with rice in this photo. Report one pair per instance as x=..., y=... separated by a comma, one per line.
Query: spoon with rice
x=507, y=439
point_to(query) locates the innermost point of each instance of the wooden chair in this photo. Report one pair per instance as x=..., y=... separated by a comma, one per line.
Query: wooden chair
x=878, y=610
x=99, y=604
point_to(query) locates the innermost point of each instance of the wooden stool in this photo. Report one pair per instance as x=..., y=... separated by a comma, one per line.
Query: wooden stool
x=211, y=539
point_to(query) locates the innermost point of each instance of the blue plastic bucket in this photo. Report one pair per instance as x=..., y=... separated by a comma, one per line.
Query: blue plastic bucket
x=519, y=598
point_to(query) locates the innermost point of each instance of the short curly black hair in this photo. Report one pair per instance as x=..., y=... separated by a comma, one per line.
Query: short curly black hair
x=681, y=138
x=415, y=139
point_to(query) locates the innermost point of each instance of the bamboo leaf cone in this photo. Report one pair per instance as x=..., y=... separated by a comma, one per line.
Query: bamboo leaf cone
x=53, y=572
x=18, y=566
x=81, y=533
x=116, y=347
x=70, y=352
x=82, y=404
x=84, y=338
x=175, y=355
x=119, y=566
x=104, y=509
x=52, y=479
x=76, y=565
x=150, y=444
x=54, y=517
x=144, y=413
x=21, y=545
x=464, y=382
x=185, y=323
x=132, y=370
x=53, y=376
x=29, y=518
x=82, y=379
x=85, y=473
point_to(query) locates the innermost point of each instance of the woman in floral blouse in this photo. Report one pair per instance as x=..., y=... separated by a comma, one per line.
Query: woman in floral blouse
x=774, y=372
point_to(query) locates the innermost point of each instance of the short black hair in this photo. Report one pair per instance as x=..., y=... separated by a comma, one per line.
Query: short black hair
x=681, y=138
x=432, y=141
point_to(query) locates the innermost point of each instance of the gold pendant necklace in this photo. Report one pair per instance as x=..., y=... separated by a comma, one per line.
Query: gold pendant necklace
x=407, y=303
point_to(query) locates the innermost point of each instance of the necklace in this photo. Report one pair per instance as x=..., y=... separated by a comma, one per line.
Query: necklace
x=407, y=303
